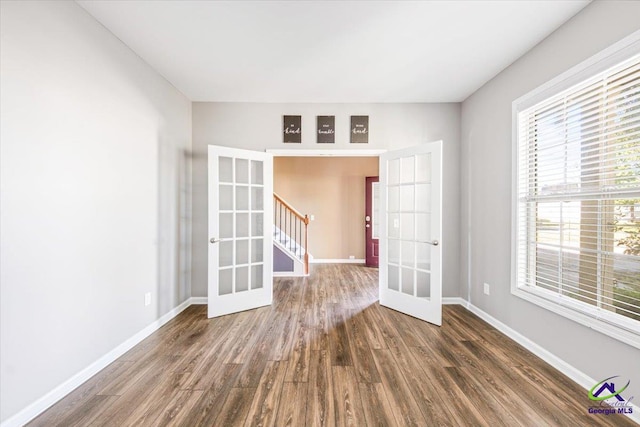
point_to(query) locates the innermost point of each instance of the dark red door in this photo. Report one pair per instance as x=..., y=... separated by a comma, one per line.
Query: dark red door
x=372, y=227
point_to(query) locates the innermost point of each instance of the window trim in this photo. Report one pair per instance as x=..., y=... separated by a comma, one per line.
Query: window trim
x=625, y=330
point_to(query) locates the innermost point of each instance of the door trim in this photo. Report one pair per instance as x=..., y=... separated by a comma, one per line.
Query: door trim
x=325, y=153
x=370, y=217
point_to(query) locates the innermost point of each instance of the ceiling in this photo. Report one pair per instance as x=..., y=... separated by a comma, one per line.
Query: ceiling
x=330, y=51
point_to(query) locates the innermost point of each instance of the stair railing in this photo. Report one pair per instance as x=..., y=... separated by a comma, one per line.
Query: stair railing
x=293, y=224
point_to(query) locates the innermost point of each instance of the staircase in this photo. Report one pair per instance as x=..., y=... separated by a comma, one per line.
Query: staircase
x=290, y=240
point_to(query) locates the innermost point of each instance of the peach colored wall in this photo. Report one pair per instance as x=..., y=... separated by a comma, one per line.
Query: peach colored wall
x=332, y=189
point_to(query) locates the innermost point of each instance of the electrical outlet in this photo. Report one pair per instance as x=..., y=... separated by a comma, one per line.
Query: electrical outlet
x=312, y=217
x=147, y=299
x=352, y=257
x=486, y=289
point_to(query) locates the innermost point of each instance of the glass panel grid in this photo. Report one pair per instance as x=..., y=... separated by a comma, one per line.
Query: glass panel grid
x=408, y=229
x=226, y=197
x=256, y=276
x=225, y=254
x=242, y=198
x=257, y=198
x=423, y=167
x=393, y=198
x=408, y=281
x=225, y=169
x=407, y=169
x=242, y=171
x=256, y=172
x=407, y=198
x=225, y=281
x=375, y=205
x=242, y=279
x=241, y=215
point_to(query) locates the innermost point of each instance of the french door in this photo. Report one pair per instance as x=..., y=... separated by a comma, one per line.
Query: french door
x=410, y=231
x=240, y=230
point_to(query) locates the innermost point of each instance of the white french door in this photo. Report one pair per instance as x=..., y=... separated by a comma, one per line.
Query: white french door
x=410, y=231
x=240, y=230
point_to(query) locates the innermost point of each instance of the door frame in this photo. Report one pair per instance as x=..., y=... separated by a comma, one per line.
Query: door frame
x=310, y=152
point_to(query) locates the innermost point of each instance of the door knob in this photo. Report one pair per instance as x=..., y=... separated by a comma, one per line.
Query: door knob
x=214, y=240
x=368, y=225
x=434, y=243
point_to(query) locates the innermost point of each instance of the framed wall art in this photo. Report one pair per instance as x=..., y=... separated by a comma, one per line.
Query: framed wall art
x=292, y=129
x=359, y=129
x=326, y=129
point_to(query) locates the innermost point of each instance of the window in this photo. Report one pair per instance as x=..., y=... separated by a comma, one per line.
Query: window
x=577, y=198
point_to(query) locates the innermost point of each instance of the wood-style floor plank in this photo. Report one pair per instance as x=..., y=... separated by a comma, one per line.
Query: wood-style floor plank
x=428, y=397
x=180, y=407
x=154, y=405
x=405, y=409
x=292, y=411
x=266, y=400
x=236, y=407
x=376, y=407
x=346, y=395
x=363, y=358
x=298, y=365
x=320, y=403
x=338, y=338
x=325, y=353
x=207, y=407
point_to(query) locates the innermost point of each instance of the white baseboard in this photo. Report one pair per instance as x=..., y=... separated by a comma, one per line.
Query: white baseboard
x=336, y=261
x=569, y=370
x=199, y=300
x=453, y=301
x=288, y=274
x=46, y=401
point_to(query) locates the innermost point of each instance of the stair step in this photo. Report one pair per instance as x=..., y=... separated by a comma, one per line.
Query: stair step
x=287, y=243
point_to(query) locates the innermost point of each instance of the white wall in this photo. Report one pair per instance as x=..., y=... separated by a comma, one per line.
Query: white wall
x=259, y=127
x=486, y=192
x=94, y=174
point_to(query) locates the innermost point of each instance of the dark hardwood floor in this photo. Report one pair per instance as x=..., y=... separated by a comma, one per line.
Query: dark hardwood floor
x=326, y=353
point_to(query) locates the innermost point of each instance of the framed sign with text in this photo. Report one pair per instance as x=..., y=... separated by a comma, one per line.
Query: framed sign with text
x=292, y=129
x=359, y=129
x=326, y=129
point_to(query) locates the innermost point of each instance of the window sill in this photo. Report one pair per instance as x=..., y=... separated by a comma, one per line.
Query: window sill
x=594, y=319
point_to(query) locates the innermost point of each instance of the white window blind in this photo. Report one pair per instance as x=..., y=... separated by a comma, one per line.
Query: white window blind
x=578, y=197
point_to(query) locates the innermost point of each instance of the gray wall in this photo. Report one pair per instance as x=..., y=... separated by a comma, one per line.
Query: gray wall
x=486, y=192
x=259, y=126
x=95, y=167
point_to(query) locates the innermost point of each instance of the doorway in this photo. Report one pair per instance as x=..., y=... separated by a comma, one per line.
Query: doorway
x=410, y=249
x=331, y=191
